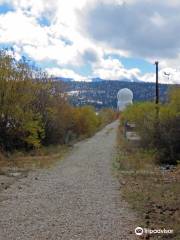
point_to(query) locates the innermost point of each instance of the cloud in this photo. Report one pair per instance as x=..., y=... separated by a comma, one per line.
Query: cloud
x=112, y=69
x=16, y=27
x=66, y=73
x=45, y=43
x=166, y=75
x=90, y=55
x=69, y=34
x=33, y=7
x=147, y=29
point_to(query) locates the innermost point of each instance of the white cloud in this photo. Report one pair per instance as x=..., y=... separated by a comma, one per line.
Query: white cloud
x=147, y=29
x=110, y=63
x=158, y=20
x=16, y=27
x=58, y=52
x=65, y=73
x=56, y=42
x=117, y=27
x=166, y=75
x=33, y=7
x=22, y=28
x=113, y=69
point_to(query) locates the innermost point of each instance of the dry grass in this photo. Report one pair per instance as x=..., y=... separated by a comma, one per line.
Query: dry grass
x=41, y=158
x=150, y=190
x=18, y=164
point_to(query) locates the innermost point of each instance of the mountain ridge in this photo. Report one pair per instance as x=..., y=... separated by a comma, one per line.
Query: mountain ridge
x=102, y=94
x=95, y=79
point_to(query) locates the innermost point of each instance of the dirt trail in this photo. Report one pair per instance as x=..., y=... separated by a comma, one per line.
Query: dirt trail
x=78, y=199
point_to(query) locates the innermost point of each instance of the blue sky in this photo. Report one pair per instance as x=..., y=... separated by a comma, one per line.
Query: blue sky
x=83, y=39
x=4, y=8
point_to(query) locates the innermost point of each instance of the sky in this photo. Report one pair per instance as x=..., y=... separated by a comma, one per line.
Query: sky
x=85, y=39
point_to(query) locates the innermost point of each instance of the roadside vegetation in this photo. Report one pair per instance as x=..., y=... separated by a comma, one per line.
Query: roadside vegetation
x=158, y=126
x=149, y=170
x=35, y=114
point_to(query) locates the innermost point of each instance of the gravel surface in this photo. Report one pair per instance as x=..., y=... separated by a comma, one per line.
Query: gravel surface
x=78, y=199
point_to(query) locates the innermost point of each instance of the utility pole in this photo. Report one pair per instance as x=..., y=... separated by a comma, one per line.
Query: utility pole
x=157, y=82
x=156, y=127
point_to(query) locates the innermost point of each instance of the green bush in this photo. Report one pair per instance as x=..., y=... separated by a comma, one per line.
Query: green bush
x=20, y=125
x=107, y=116
x=86, y=121
x=159, y=128
x=34, y=110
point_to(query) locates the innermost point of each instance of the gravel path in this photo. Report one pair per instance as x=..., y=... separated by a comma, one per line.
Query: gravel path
x=78, y=199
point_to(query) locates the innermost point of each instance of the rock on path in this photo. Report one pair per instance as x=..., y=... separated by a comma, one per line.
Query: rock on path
x=78, y=199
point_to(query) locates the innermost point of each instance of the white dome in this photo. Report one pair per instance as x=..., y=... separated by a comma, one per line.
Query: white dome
x=125, y=94
x=125, y=98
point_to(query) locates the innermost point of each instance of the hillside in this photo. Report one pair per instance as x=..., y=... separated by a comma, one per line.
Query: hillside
x=103, y=93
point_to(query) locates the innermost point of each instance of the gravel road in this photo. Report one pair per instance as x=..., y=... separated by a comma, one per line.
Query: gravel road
x=78, y=199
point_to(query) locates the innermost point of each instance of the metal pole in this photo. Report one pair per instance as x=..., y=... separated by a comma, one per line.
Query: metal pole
x=157, y=82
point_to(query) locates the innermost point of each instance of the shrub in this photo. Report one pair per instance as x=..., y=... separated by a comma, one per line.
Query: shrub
x=107, y=116
x=34, y=110
x=20, y=125
x=86, y=121
x=143, y=115
x=158, y=128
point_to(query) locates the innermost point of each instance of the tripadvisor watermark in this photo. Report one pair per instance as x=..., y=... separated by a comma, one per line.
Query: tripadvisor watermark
x=139, y=231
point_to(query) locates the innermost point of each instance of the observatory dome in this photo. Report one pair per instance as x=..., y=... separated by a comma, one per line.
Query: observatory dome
x=125, y=97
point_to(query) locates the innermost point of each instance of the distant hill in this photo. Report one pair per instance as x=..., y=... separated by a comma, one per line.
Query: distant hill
x=93, y=79
x=63, y=79
x=104, y=93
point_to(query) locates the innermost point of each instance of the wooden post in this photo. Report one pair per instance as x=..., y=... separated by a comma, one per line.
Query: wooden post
x=157, y=133
x=157, y=82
